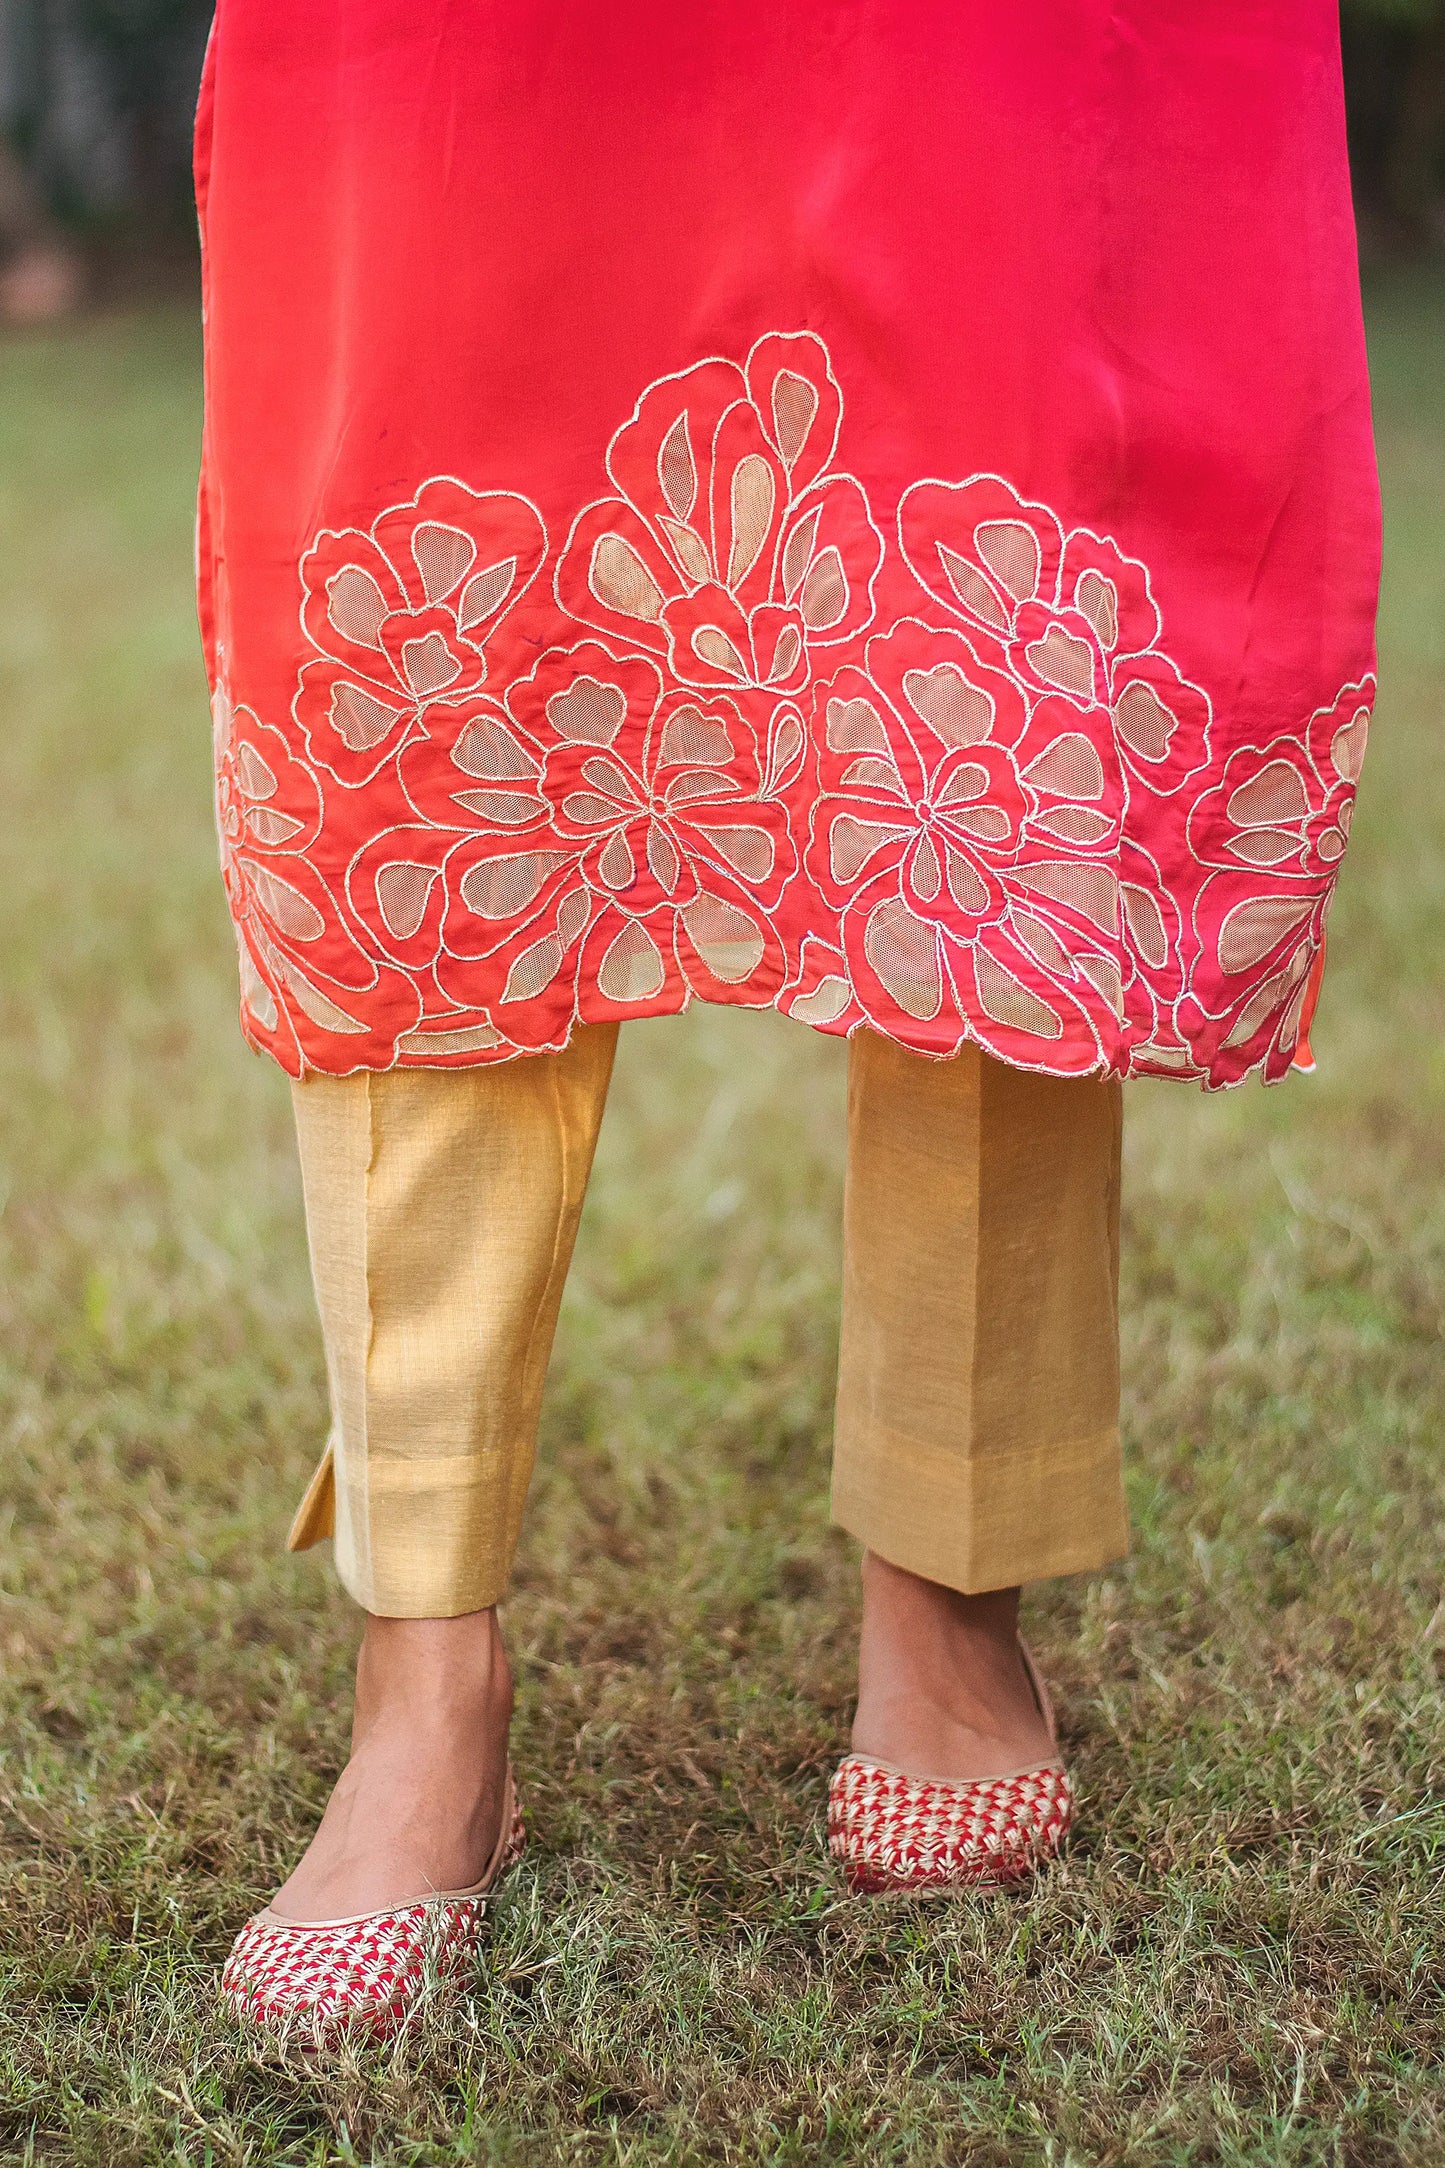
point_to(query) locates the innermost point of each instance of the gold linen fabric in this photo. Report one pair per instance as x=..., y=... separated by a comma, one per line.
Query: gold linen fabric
x=977, y=1432
x=977, y=1438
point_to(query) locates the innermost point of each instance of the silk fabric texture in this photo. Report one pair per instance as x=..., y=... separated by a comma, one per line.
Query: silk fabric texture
x=977, y=1432
x=862, y=508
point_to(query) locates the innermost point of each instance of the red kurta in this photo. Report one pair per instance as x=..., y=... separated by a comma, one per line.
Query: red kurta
x=858, y=506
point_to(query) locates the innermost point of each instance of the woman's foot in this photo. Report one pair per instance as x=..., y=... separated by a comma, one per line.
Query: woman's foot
x=954, y=1782
x=418, y=1806
x=942, y=1686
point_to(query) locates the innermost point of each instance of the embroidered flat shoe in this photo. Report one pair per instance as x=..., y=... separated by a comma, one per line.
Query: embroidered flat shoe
x=934, y=1836
x=367, y=1970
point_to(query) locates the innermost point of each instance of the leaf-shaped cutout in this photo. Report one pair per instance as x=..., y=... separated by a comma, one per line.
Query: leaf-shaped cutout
x=1068, y=767
x=611, y=778
x=499, y=888
x=1258, y=925
x=786, y=652
x=795, y=404
x=753, y=495
x=402, y=893
x=534, y=970
x=965, y=883
x=798, y=551
x=359, y=719
x=291, y=913
x=873, y=772
x=825, y=591
x=1008, y=1001
x=498, y=808
x=255, y=775
x=1145, y=924
x=621, y=581
x=1103, y=973
x=663, y=861
x=256, y=995
x=1074, y=824
x=701, y=783
x=729, y=942
x=443, y=555
x=972, y=589
x=356, y=606
x=1098, y=599
x=712, y=646
x=1258, y=1010
x=788, y=746
x=484, y=595
x=677, y=469
x=903, y=950
x=1041, y=942
x=851, y=843
x=321, y=1009
x=1265, y=846
x=1274, y=798
x=1092, y=891
x=689, y=549
x=589, y=811
x=750, y=852
x=632, y=969
x=269, y=828
x=487, y=749
x=573, y=915
x=432, y=1045
x=1011, y=552
x=987, y=823
x=1143, y=721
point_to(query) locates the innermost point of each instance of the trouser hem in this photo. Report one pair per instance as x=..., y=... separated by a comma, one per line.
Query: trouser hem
x=1066, y=1511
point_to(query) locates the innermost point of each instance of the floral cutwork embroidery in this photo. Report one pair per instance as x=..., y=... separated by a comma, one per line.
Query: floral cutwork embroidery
x=730, y=548
x=934, y=809
x=700, y=769
x=402, y=616
x=308, y=989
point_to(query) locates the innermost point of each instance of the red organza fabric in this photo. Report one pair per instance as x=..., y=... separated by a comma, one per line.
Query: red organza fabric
x=863, y=508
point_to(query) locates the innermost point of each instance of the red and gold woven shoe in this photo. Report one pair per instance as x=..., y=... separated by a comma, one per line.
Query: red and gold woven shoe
x=368, y=1970
x=933, y=1836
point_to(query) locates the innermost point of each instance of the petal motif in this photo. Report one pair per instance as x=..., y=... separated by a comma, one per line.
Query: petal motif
x=402, y=615
x=794, y=392
x=980, y=549
x=730, y=547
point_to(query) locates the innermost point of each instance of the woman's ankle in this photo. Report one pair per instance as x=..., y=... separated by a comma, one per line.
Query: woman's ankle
x=990, y=1615
x=419, y=1804
x=942, y=1689
x=455, y=1669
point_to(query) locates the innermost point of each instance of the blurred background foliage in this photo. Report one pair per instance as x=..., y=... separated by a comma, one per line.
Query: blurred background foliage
x=1395, y=86
x=96, y=99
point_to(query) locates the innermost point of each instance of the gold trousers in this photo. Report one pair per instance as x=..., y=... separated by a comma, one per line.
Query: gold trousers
x=977, y=1431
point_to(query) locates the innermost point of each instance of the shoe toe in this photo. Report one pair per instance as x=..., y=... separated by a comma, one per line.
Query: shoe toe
x=892, y=1831
x=370, y=1971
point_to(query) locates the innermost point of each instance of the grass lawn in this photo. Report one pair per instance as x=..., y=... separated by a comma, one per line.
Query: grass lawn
x=1241, y=1959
